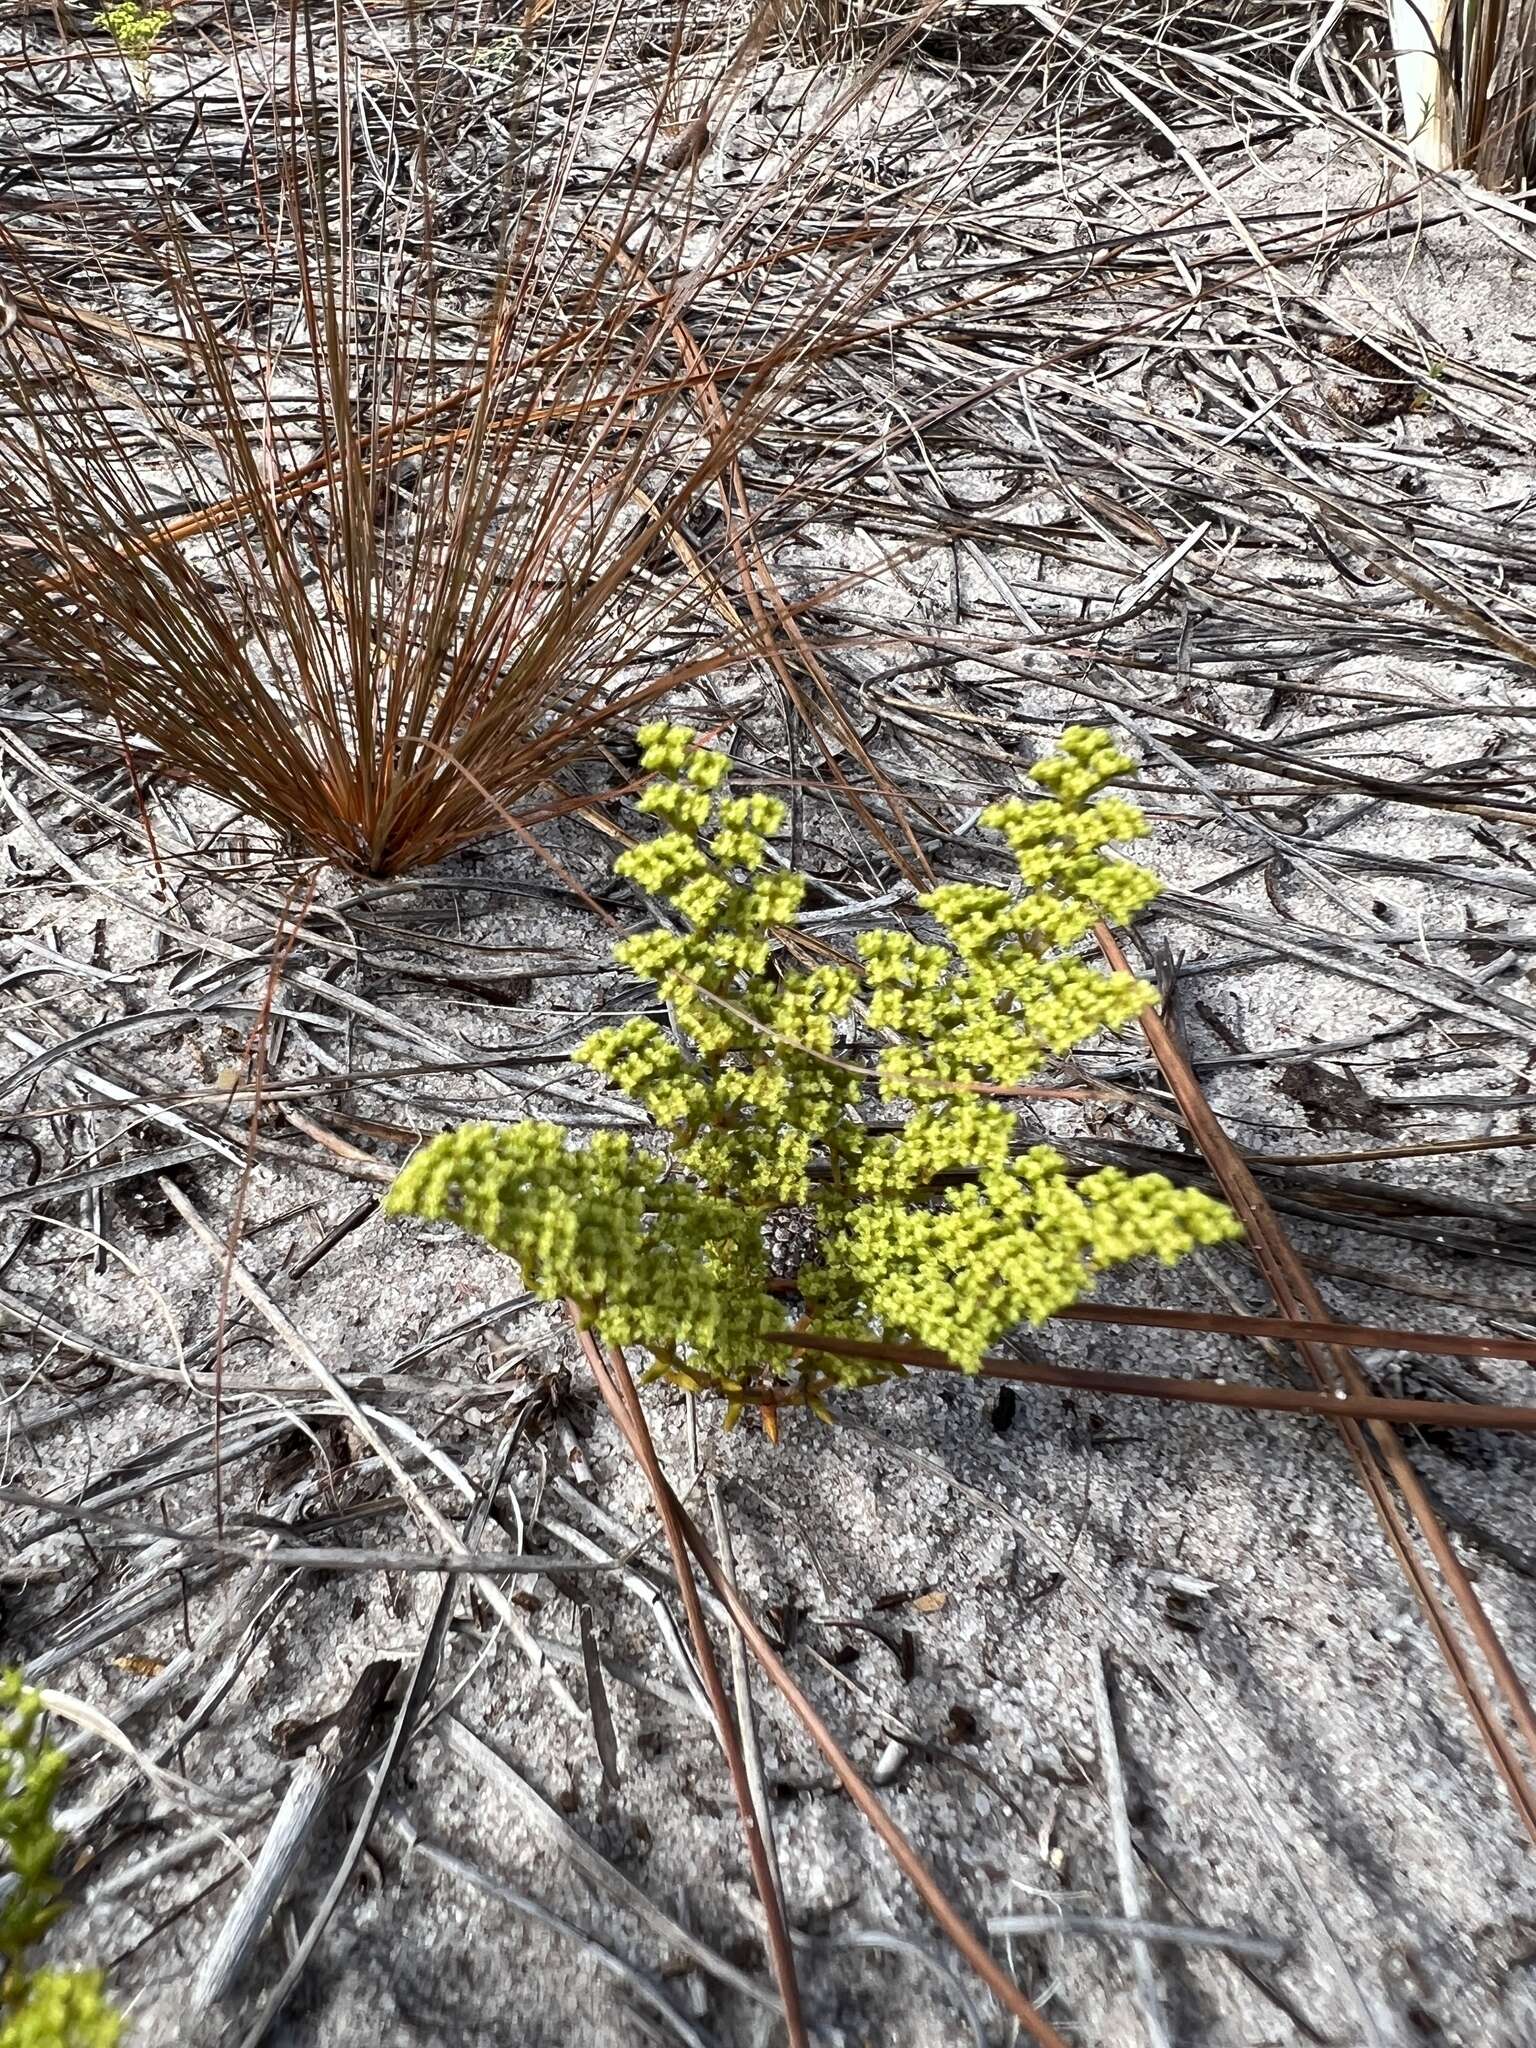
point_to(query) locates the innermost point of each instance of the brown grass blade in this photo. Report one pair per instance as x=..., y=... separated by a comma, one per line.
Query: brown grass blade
x=623, y=1402
x=1361, y=1336
x=1158, y=1387
x=617, y=1390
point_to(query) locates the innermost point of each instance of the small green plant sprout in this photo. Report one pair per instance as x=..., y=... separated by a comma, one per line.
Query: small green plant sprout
x=136, y=28
x=908, y=1209
x=39, y=2008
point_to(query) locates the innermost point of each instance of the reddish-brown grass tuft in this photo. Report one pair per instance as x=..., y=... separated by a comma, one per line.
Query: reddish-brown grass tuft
x=366, y=537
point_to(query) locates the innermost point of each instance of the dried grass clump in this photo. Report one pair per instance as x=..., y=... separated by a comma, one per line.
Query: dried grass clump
x=1059, y=50
x=845, y=31
x=363, y=514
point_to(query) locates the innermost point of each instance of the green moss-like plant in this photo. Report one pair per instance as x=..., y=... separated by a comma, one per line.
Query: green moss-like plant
x=939, y=1232
x=39, y=2008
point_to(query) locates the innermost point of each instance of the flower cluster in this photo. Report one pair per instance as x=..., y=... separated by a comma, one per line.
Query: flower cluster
x=1004, y=995
x=38, y=2008
x=645, y=1256
x=135, y=28
x=939, y=1232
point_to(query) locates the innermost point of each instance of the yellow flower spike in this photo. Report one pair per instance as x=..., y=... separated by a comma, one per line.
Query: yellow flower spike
x=135, y=28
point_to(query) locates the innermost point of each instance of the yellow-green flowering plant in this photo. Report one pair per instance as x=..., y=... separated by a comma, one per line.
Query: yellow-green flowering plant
x=933, y=1227
x=39, y=2008
x=136, y=26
